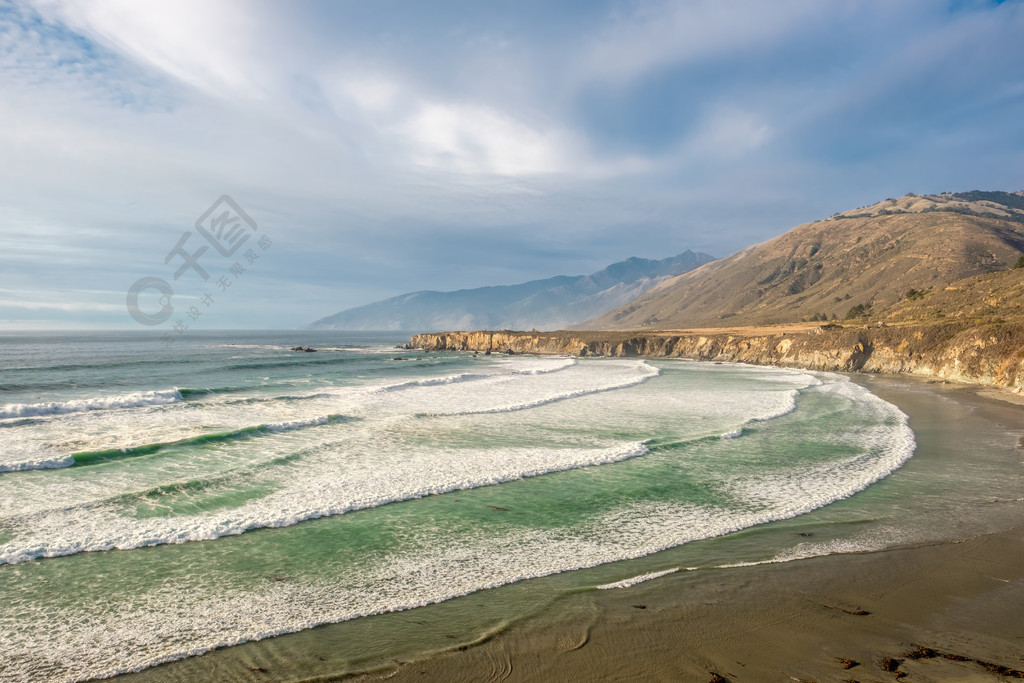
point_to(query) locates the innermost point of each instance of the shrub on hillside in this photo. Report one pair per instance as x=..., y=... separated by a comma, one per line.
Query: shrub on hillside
x=858, y=311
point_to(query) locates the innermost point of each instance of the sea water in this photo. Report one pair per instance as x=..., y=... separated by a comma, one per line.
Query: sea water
x=160, y=500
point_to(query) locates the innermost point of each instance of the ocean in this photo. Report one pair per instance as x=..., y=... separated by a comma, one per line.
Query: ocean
x=160, y=500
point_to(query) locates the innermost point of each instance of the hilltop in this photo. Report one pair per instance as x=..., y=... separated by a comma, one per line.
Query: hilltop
x=902, y=259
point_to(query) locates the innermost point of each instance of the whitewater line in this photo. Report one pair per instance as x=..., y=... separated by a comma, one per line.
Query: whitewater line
x=133, y=400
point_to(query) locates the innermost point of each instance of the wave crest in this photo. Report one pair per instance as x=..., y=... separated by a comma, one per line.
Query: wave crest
x=133, y=400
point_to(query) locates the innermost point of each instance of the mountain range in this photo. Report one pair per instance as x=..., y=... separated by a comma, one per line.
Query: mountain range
x=888, y=261
x=928, y=285
x=552, y=303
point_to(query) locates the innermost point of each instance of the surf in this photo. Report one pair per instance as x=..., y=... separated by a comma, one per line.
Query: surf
x=131, y=400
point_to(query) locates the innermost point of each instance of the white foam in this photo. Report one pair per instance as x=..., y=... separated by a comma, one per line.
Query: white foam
x=626, y=583
x=631, y=375
x=769, y=406
x=502, y=369
x=297, y=424
x=884, y=448
x=96, y=424
x=174, y=620
x=533, y=365
x=169, y=620
x=276, y=347
x=777, y=404
x=318, y=489
x=805, y=551
x=132, y=400
x=841, y=546
x=58, y=436
x=435, y=381
x=37, y=464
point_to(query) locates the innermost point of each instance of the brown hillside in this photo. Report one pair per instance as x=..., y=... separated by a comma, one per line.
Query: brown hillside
x=870, y=257
x=984, y=299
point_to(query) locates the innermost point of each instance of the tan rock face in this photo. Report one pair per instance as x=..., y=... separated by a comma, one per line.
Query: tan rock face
x=992, y=355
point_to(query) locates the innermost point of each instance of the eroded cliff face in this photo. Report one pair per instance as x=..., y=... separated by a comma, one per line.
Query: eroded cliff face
x=991, y=355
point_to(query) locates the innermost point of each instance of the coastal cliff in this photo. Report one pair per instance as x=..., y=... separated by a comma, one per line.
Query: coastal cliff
x=988, y=355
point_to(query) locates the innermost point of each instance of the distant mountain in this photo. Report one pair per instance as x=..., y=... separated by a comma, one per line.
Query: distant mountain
x=882, y=261
x=549, y=304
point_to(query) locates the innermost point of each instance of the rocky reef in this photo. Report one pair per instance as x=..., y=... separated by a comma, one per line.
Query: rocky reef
x=987, y=355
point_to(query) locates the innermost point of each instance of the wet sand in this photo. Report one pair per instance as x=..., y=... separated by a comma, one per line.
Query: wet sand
x=949, y=610
x=806, y=620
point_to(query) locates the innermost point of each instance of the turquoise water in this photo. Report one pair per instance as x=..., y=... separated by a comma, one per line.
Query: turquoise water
x=157, y=502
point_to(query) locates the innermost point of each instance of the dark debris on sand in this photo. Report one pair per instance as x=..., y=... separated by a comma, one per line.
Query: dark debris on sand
x=923, y=652
x=847, y=662
x=854, y=612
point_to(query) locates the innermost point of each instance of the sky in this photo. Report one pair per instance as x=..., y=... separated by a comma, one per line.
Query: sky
x=373, y=149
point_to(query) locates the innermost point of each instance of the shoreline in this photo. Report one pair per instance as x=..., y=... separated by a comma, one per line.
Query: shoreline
x=785, y=621
x=933, y=611
x=944, y=610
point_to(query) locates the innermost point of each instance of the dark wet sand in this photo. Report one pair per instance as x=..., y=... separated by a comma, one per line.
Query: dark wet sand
x=806, y=620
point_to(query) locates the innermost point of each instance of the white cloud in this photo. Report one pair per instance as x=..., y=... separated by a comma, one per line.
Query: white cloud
x=470, y=138
x=229, y=50
x=203, y=44
x=67, y=300
x=413, y=127
x=343, y=137
x=374, y=94
x=729, y=132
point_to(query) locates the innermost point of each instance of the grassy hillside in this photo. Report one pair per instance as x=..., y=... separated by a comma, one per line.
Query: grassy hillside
x=991, y=298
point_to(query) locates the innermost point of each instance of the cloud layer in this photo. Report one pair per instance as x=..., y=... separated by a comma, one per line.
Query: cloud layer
x=392, y=147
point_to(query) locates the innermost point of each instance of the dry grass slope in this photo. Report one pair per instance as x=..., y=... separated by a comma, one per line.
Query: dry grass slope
x=864, y=261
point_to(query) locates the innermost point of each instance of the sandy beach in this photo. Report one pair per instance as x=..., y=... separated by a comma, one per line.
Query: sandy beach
x=941, y=612
x=947, y=609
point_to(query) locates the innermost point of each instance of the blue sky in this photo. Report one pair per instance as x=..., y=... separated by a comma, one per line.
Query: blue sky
x=387, y=147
